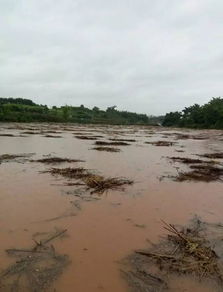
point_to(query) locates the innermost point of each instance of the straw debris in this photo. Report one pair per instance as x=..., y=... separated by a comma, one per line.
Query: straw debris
x=6, y=135
x=52, y=136
x=186, y=160
x=122, y=140
x=56, y=160
x=99, y=184
x=213, y=155
x=87, y=137
x=206, y=173
x=11, y=157
x=184, y=251
x=161, y=143
x=93, y=182
x=107, y=149
x=111, y=143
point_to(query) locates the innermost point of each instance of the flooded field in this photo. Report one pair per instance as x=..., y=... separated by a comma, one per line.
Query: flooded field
x=77, y=201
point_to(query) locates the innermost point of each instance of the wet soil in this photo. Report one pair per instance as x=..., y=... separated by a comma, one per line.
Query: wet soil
x=103, y=228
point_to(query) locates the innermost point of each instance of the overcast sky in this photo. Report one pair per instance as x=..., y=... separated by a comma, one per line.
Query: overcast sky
x=149, y=56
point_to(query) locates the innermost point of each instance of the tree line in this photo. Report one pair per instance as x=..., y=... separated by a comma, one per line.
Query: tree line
x=207, y=116
x=25, y=110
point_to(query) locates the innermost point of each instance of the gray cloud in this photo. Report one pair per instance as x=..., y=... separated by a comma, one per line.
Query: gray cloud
x=144, y=56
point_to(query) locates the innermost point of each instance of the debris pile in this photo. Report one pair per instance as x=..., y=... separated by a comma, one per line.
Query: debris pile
x=56, y=160
x=206, y=173
x=35, y=268
x=107, y=149
x=52, y=136
x=213, y=155
x=93, y=182
x=12, y=157
x=186, y=160
x=161, y=143
x=99, y=184
x=86, y=137
x=185, y=251
x=122, y=140
x=114, y=143
x=6, y=135
x=69, y=172
x=200, y=170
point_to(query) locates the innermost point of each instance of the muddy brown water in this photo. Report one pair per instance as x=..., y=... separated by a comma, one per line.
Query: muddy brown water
x=104, y=231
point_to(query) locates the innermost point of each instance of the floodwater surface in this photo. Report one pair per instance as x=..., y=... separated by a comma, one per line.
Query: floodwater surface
x=102, y=229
